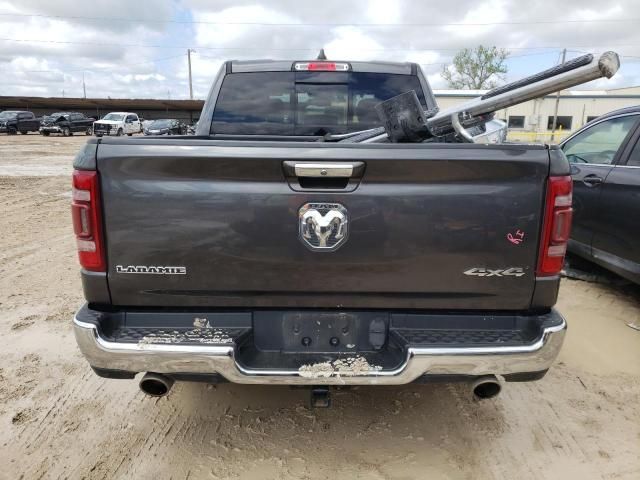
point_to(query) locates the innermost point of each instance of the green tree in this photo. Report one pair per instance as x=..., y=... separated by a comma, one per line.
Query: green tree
x=476, y=68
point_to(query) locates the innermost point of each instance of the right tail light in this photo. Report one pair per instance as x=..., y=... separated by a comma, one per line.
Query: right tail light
x=556, y=226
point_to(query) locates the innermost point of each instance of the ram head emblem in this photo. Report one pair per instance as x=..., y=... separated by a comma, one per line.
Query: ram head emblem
x=323, y=226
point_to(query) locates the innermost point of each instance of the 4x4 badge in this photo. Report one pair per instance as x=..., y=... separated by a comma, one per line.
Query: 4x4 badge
x=497, y=272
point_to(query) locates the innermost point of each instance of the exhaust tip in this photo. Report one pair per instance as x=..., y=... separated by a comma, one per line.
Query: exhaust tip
x=486, y=387
x=155, y=384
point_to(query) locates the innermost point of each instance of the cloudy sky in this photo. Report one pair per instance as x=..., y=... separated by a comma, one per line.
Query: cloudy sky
x=137, y=49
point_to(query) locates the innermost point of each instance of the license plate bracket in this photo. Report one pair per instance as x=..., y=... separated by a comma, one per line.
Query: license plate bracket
x=319, y=332
x=314, y=331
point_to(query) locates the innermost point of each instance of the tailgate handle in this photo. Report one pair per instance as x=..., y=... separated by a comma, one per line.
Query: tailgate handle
x=327, y=170
x=323, y=176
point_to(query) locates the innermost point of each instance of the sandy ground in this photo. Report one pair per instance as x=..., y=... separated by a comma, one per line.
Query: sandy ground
x=59, y=420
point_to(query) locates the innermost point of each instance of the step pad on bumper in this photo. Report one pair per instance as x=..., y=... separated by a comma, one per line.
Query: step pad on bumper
x=184, y=336
x=474, y=338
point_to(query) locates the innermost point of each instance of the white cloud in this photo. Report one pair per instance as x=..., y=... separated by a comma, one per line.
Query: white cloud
x=113, y=69
x=614, y=11
x=225, y=35
x=44, y=62
x=436, y=81
x=351, y=43
x=491, y=11
x=384, y=11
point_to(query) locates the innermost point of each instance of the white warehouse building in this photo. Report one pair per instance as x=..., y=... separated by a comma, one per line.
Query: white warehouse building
x=532, y=121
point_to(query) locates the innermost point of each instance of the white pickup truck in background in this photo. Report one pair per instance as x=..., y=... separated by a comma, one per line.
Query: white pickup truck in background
x=117, y=123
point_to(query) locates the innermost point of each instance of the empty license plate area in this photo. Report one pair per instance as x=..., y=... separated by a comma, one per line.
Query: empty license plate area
x=316, y=332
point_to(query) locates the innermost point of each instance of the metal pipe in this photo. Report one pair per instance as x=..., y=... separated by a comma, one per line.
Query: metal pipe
x=480, y=110
x=530, y=88
x=376, y=139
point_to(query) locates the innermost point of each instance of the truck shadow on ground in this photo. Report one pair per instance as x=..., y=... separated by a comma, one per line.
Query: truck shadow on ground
x=412, y=431
x=376, y=427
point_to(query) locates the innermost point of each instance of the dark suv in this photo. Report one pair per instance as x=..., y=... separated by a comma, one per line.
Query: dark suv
x=605, y=167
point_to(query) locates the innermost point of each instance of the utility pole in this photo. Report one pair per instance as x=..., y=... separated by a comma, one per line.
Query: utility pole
x=84, y=87
x=555, y=112
x=190, y=80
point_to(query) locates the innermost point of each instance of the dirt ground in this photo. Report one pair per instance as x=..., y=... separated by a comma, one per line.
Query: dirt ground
x=59, y=420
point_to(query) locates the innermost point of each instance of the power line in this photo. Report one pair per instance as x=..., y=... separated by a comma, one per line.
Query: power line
x=90, y=69
x=530, y=54
x=427, y=50
x=630, y=58
x=633, y=59
x=262, y=49
x=318, y=24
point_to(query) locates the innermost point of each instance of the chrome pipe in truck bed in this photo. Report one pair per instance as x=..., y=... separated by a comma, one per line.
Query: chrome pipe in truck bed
x=570, y=74
x=406, y=122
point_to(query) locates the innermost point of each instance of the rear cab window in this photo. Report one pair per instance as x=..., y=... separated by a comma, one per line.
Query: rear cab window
x=305, y=103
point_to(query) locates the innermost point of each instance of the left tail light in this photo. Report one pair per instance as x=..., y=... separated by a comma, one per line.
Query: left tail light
x=87, y=220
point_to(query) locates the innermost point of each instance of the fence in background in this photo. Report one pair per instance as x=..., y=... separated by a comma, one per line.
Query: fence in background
x=537, y=137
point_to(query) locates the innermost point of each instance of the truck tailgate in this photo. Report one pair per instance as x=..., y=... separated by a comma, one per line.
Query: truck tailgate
x=430, y=226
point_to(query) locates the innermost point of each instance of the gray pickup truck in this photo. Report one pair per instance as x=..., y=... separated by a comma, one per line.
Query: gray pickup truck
x=262, y=252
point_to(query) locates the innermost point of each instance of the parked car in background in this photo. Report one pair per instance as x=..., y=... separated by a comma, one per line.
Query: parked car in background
x=117, y=123
x=605, y=167
x=66, y=124
x=13, y=121
x=166, y=126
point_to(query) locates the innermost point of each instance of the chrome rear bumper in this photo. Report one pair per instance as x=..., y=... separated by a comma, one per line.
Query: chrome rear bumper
x=101, y=353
